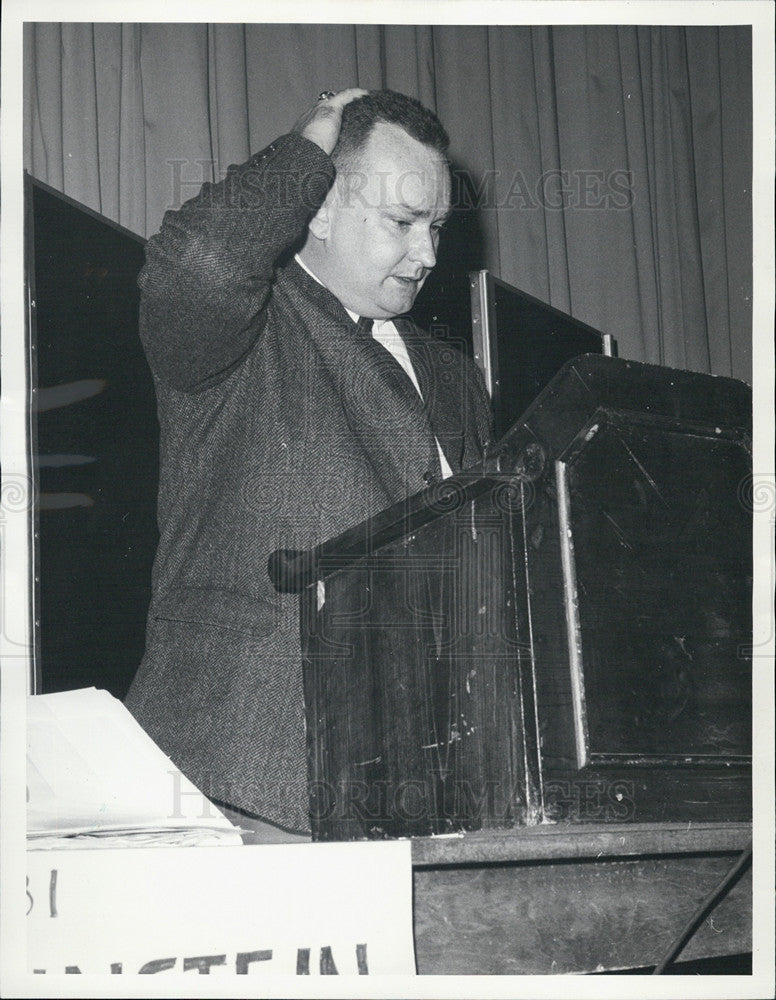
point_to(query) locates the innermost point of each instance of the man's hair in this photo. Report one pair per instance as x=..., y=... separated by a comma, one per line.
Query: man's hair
x=361, y=115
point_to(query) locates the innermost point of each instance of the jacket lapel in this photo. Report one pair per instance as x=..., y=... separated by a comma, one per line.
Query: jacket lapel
x=439, y=370
x=378, y=401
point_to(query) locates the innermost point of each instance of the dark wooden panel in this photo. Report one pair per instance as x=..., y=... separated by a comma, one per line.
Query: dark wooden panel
x=532, y=342
x=663, y=570
x=648, y=609
x=573, y=917
x=413, y=687
x=555, y=841
x=96, y=453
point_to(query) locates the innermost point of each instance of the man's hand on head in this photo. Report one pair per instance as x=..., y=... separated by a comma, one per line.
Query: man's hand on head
x=321, y=123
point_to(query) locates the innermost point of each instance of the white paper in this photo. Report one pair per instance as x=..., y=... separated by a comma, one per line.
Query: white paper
x=92, y=770
x=331, y=909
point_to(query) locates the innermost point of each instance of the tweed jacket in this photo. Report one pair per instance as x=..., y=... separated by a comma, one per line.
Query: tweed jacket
x=280, y=427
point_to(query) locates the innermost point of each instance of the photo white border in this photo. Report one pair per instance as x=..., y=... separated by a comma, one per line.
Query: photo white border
x=15, y=539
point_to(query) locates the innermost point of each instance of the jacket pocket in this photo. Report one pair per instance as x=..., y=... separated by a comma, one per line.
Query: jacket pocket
x=232, y=610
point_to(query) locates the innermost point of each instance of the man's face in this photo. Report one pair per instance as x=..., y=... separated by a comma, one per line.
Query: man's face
x=379, y=229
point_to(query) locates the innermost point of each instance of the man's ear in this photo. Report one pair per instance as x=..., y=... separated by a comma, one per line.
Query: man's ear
x=320, y=224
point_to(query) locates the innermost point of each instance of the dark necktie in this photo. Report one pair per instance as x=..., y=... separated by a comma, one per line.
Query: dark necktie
x=364, y=326
x=394, y=373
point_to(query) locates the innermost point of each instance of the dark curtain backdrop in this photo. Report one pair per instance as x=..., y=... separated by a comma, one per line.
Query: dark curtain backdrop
x=610, y=167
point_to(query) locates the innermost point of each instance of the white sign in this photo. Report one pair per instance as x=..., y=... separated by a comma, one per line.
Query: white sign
x=290, y=909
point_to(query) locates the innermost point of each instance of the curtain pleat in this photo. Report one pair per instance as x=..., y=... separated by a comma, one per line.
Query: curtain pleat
x=636, y=97
x=44, y=104
x=288, y=66
x=107, y=62
x=228, y=94
x=716, y=89
x=464, y=105
x=133, y=190
x=606, y=170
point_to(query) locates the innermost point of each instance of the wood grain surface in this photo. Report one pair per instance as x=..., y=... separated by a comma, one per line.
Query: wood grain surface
x=573, y=917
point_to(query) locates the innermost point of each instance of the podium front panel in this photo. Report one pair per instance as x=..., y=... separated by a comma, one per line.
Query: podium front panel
x=417, y=685
x=662, y=569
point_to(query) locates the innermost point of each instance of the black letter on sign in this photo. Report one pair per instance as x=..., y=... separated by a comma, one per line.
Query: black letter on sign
x=116, y=968
x=53, y=892
x=244, y=959
x=363, y=968
x=158, y=965
x=72, y=968
x=328, y=968
x=202, y=963
x=303, y=961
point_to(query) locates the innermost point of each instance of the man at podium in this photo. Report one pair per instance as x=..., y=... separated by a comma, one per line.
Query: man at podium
x=295, y=400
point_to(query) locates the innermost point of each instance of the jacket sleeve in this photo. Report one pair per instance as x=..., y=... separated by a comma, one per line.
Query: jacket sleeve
x=209, y=271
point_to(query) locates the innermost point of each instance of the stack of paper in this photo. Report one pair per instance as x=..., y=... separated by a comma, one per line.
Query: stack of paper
x=96, y=779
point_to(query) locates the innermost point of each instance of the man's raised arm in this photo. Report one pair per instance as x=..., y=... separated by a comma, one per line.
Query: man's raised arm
x=209, y=271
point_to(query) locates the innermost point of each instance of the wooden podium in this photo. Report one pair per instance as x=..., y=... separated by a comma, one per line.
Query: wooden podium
x=560, y=634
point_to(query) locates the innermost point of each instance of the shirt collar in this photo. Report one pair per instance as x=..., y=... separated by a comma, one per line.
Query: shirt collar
x=301, y=263
x=354, y=316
